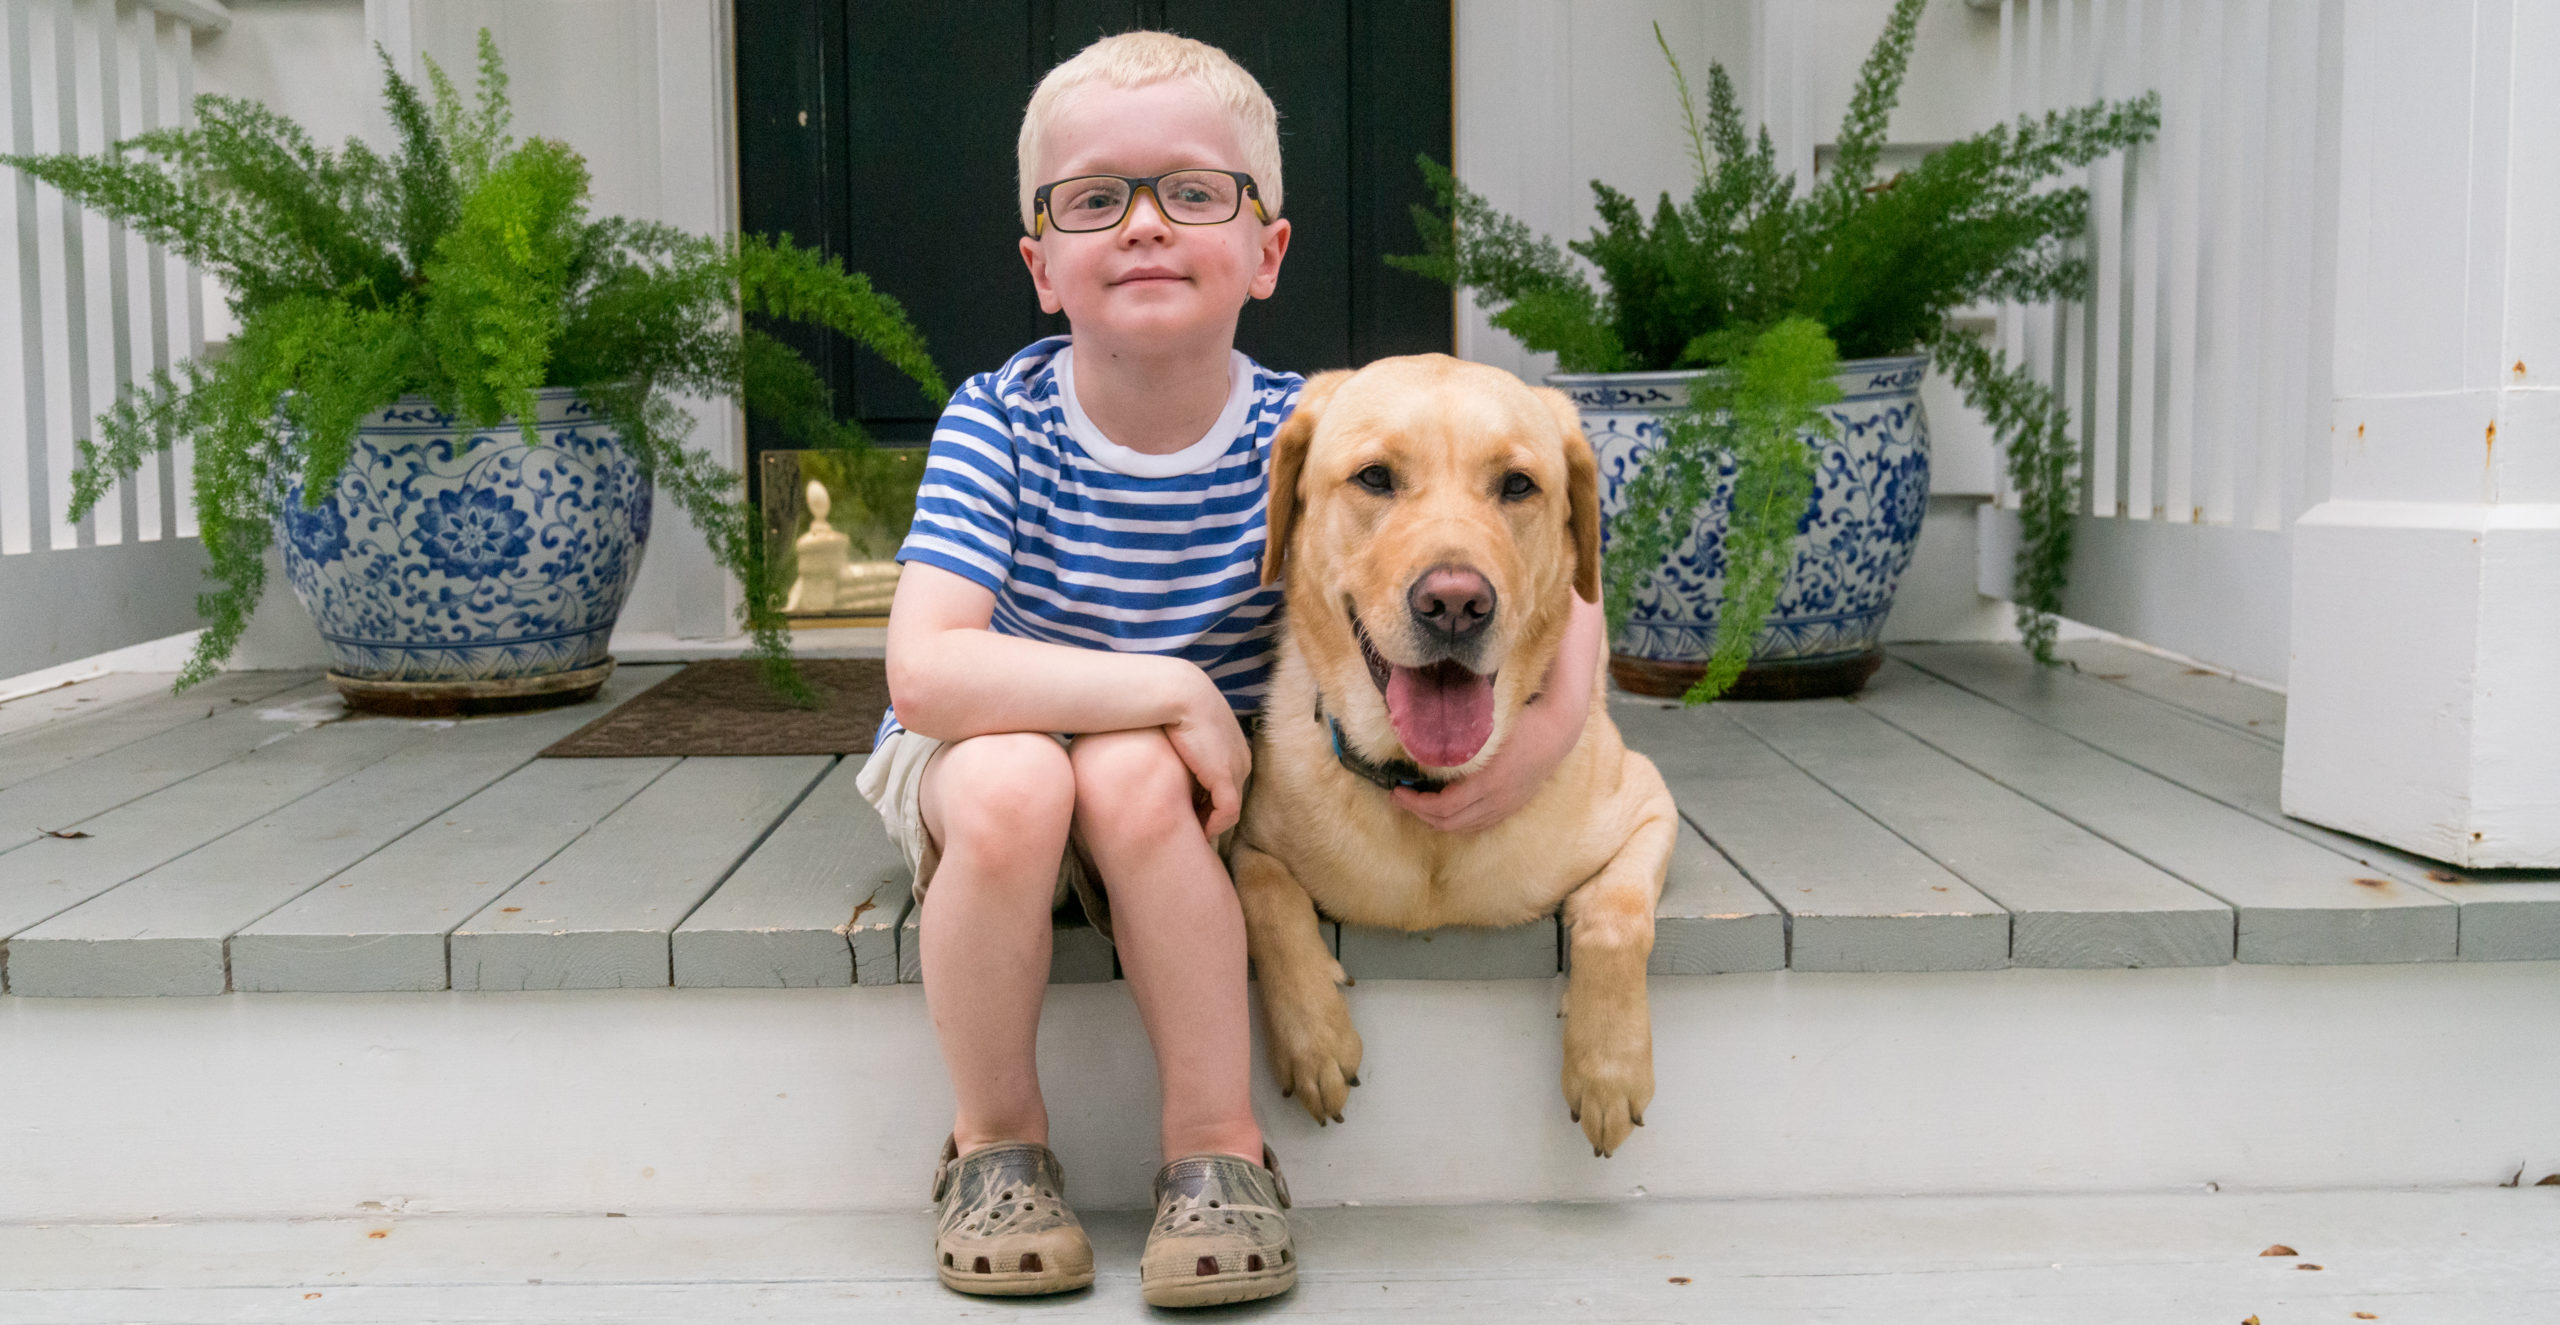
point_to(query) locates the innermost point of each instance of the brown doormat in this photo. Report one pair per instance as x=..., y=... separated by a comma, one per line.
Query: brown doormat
x=725, y=708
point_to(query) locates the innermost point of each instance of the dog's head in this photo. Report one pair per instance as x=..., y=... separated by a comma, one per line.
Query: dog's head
x=1431, y=517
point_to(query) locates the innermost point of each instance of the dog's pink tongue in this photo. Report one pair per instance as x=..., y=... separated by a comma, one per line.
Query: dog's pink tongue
x=1442, y=713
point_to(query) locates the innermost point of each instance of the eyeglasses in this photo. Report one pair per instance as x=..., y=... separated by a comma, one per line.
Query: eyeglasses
x=1186, y=197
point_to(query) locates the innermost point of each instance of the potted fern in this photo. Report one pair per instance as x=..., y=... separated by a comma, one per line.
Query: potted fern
x=452, y=392
x=1749, y=372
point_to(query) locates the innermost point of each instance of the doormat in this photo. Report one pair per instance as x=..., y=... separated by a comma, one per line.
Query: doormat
x=724, y=708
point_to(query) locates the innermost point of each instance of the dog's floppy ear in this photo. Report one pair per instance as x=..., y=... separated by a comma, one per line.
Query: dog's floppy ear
x=1582, y=493
x=1288, y=458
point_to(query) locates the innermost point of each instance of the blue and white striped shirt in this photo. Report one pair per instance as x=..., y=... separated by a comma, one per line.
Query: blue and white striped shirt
x=1087, y=543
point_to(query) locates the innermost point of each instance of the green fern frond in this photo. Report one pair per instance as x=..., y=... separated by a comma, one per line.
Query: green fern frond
x=1877, y=266
x=1879, y=86
x=462, y=266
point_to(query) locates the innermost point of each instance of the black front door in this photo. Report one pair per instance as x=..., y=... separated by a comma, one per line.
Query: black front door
x=883, y=131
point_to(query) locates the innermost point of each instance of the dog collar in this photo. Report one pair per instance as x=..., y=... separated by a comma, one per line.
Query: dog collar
x=1388, y=776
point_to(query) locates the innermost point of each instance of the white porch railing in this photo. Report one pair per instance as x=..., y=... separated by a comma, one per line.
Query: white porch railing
x=2198, y=368
x=85, y=308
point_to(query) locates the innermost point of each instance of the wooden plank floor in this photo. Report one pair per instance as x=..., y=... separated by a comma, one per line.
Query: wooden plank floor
x=2480, y=1256
x=1967, y=811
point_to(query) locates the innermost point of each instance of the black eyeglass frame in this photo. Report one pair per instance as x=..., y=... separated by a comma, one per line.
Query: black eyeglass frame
x=1041, y=221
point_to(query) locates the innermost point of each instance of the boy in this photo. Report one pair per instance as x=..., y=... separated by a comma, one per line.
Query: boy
x=1077, y=636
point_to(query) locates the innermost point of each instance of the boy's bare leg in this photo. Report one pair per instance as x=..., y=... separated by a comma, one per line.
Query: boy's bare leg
x=999, y=806
x=1180, y=934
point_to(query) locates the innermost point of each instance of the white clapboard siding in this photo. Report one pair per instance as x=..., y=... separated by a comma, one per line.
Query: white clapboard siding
x=85, y=309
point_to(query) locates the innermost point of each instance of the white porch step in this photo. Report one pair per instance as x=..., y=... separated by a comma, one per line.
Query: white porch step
x=1770, y=1084
x=2479, y=1256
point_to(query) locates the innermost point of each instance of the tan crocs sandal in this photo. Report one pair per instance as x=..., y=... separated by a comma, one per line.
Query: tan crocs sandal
x=1006, y=1230
x=1220, y=1233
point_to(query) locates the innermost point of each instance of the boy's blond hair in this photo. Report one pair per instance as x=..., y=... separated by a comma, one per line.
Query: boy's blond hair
x=1140, y=59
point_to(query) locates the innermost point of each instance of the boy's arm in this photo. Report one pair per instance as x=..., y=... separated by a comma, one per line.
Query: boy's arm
x=1547, y=732
x=952, y=678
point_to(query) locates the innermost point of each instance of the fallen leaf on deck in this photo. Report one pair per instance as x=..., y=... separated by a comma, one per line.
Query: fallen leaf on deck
x=379, y=1233
x=2279, y=1250
x=1679, y=1278
x=2516, y=1179
x=510, y=908
x=2306, y=1265
x=2549, y=1180
x=2367, y=1315
x=64, y=833
x=2444, y=876
x=2250, y=1321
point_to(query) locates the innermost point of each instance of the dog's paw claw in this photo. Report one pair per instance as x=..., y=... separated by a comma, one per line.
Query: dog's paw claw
x=1315, y=1051
x=1606, y=1087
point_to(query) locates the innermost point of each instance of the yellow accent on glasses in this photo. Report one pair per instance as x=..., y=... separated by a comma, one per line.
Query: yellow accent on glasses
x=1088, y=203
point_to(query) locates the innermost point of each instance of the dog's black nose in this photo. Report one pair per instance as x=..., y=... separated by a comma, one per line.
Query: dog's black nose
x=1452, y=602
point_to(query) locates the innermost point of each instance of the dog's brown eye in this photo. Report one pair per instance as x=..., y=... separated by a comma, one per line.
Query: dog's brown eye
x=1516, y=486
x=1376, y=479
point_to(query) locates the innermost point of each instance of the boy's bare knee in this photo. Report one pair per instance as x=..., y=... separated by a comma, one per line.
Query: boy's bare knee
x=1002, y=795
x=1131, y=783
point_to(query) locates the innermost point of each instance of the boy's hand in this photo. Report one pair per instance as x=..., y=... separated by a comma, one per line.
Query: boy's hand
x=1212, y=745
x=1548, y=730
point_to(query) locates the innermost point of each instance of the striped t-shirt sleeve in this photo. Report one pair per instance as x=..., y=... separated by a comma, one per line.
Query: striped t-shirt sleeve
x=965, y=501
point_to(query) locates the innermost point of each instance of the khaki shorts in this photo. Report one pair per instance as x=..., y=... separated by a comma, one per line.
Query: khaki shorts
x=892, y=779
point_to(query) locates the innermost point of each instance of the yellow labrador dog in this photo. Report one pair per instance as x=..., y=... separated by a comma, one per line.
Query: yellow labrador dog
x=1431, y=518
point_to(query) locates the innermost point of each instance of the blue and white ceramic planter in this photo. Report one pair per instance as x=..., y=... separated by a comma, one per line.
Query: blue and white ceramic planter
x=453, y=555
x=1870, y=490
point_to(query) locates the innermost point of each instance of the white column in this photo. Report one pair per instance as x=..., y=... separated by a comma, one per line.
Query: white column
x=2425, y=707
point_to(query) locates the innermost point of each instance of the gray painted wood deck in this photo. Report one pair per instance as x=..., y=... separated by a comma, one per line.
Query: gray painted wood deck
x=1967, y=811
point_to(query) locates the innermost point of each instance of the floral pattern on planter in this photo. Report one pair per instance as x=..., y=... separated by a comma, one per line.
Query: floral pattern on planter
x=1871, y=487
x=450, y=553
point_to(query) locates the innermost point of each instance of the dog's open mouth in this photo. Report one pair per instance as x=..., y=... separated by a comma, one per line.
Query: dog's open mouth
x=1442, y=712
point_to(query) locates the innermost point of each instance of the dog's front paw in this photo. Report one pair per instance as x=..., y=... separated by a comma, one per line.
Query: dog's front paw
x=1608, y=1076
x=1315, y=1053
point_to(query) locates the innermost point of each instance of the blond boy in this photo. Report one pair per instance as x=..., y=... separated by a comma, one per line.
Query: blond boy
x=1078, y=638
